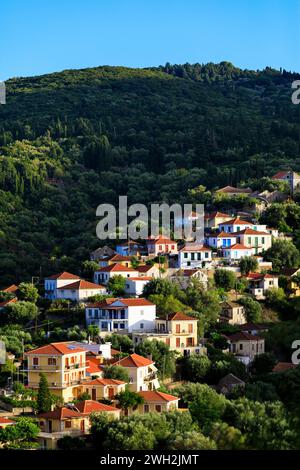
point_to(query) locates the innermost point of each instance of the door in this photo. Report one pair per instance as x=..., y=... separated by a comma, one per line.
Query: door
x=111, y=392
x=82, y=425
x=94, y=394
x=50, y=425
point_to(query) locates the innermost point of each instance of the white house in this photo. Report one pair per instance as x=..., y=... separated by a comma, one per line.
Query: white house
x=142, y=372
x=260, y=283
x=234, y=225
x=135, y=285
x=79, y=291
x=121, y=315
x=236, y=252
x=103, y=275
x=194, y=256
x=221, y=240
x=184, y=277
x=258, y=240
x=291, y=177
x=52, y=283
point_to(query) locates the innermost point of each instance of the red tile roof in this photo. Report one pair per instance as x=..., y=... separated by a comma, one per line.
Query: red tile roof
x=7, y=302
x=104, y=382
x=180, y=317
x=236, y=221
x=242, y=336
x=250, y=231
x=12, y=288
x=194, y=248
x=64, y=275
x=144, y=268
x=80, y=285
x=283, y=366
x=116, y=258
x=140, y=278
x=223, y=235
x=115, y=267
x=260, y=276
x=107, y=303
x=237, y=246
x=134, y=360
x=156, y=396
x=160, y=239
x=56, y=349
x=92, y=406
x=280, y=174
x=4, y=420
x=61, y=414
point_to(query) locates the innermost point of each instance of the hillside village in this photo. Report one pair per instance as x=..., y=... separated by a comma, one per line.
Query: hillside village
x=159, y=328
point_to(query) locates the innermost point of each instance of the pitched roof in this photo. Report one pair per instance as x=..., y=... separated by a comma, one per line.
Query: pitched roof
x=180, y=317
x=190, y=272
x=104, y=382
x=7, y=302
x=4, y=420
x=223, y=235
x=56, y=349
x=235, y=221
x=92, y=406
x=216, y=214
x=194, y=248
x=82, y=284
x=260, y=276
x=63, y=275
x=237, y=246
x=283, y=366
x=116, y=258
x=12, y=288
x=230, y=379
x=242, y=336
x=250, y=231
x=107, y=303
x=61, y=414
x=144, y=268
x=115, y=267
x=134, y=360
x=160, y=239
x=139, y=278
x=232, y=189
x=230, y=304
x=280, y=174
x=249, y=326
x=156, y=396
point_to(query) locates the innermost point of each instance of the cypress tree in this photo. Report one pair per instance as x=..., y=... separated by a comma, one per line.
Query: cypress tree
x=44, y=400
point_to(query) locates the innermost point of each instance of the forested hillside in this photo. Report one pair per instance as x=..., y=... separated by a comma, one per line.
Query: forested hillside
x=72, y=140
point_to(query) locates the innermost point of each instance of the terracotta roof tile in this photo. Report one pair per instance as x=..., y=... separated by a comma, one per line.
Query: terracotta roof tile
x=156, y=396
x=134, y=360
x=56, y=349
x=92, y=406
x=82, y=284
x=64, y=275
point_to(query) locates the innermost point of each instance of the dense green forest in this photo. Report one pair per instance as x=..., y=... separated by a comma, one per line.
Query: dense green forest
x=72, y=140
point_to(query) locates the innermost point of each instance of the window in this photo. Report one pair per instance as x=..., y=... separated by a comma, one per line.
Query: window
x=146, y=408
x=173, y=247
x=90, y=312
x=177, y=327
x=122, y=314
x=122, y=326
x=168, y=341
x=206, y=254
x=160, y=247
x=116, y=326
x=262, y=240
x=185, y=255
x=241, y=346
x=177, y=342
x=158, y=408
x=35, y=361
x=190, y=327
x=141, y=326
x=68, y=424
x=51, y=361
x=192, y=256
x=199, y=256
x=249, y=240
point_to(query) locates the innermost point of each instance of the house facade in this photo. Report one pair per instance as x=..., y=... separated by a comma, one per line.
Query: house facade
x=236, y=252
x=142, y=372
x=213, y=219
x=245, y=346
x=157, y=402
x=232, y=313
x=260, y=283
x=121, y=315
x=52, y=283
x=161, y=245
x=104, y=274
x=63, y=364
x=194, y=256
x=101, y=388
x=79, y=291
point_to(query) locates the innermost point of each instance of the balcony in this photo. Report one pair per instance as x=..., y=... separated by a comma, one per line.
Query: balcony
x=42, y=368
x=150, y=377
x=77, y=366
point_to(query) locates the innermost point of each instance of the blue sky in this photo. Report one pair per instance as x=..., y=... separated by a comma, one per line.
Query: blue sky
x=42, y=36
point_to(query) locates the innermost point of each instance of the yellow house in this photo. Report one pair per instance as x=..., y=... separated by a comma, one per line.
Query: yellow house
x=232, y=313
x=215, y=218
x=63, y=364
x=70, y=421
x=103, y=388
x=157, y=402
x=177, y=330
